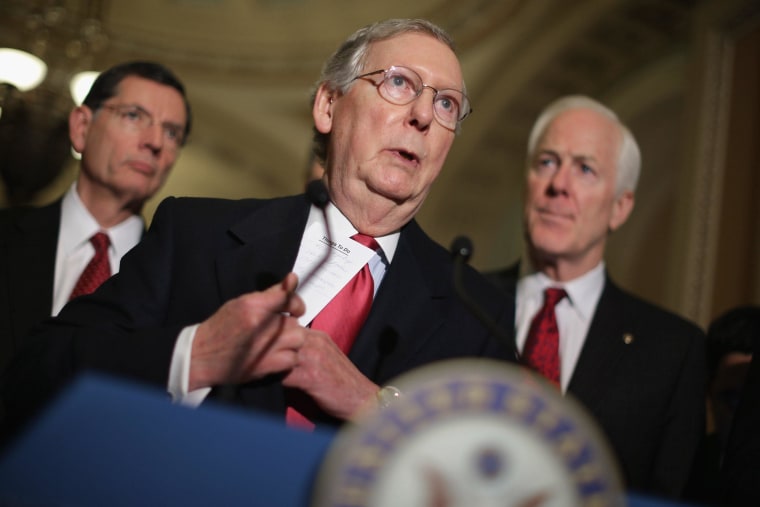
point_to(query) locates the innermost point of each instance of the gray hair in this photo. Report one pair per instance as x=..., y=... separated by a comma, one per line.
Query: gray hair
x=348, y=60
x=629, y=154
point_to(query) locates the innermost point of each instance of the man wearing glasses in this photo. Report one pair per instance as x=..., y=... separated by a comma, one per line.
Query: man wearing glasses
x=234, y=299
x=129, y=131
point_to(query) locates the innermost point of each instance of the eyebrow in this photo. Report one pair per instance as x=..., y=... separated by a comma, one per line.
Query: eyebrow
x=581, y=157
x=165, y=123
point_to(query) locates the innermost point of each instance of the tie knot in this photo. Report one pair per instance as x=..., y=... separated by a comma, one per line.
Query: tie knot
x=100, y=241
x=553, y=295
x=365, y=240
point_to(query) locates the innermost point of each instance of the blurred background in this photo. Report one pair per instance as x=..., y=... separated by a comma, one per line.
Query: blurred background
x=684, y=74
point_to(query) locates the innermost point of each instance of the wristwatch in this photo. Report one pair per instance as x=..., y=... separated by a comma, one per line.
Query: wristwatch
x=387, y=395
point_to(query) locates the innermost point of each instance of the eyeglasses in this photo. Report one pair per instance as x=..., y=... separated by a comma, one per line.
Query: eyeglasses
x=138, y=119
x=401, y=85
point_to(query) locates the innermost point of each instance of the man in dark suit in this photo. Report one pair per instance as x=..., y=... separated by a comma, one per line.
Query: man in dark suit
x=638, y=369
x=206, y=305
x=129, y=131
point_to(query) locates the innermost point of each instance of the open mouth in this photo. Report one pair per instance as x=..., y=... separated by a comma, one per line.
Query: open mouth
x=408, y=155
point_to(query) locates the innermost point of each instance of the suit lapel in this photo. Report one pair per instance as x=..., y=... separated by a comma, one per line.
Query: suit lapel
x=262, y=256
x=258, y=257
x=398, y=327
x=603, y=348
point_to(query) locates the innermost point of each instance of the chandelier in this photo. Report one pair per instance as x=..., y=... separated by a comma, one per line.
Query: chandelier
x=45, y=46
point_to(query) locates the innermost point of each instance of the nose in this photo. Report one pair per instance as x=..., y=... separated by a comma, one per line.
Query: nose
x=560, y=180
x=153, y=137
x=421, y=112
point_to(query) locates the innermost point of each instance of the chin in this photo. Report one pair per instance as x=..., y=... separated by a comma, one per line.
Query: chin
x=393, y=191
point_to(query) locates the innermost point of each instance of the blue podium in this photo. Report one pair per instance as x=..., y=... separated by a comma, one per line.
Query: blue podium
x=106, y=442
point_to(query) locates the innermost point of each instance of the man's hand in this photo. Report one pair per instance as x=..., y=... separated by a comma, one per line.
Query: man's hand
x=330, y=378
x=249, y=337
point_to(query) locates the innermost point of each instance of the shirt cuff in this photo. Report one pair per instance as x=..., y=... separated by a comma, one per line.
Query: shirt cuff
x=179, y=371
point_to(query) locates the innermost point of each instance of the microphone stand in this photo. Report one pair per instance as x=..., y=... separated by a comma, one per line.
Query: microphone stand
x=461, y=251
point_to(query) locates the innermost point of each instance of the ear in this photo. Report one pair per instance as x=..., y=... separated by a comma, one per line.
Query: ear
x=79, y=124
x=621, y=209
x=323, y=109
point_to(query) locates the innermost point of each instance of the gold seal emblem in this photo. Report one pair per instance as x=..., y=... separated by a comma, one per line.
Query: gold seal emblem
x=471, y=433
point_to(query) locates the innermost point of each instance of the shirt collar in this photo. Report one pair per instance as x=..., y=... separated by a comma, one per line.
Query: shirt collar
x=583, y=292
x=78, y=225
x=341, y=227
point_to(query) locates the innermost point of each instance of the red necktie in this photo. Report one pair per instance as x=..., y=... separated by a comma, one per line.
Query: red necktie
x=342, y=319
x=541, y=351
x=97, y=271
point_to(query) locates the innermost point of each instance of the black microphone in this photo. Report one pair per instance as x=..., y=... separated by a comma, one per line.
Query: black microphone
x=317, y=193
x=461, y=251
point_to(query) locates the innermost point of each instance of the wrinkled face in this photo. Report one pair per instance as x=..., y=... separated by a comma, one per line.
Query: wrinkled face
x=570, y=204
x=379, y=149
x=130, y=161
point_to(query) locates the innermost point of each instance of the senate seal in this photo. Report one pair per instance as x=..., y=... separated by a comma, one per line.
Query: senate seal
x=471, y=433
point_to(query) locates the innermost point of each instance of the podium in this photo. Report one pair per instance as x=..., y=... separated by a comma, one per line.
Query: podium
x=109, y=442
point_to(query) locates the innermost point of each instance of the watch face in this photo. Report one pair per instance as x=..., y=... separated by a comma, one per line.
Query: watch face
x=471, y=433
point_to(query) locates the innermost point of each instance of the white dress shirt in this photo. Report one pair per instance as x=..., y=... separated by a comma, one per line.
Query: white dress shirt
x=574, y=313
x=340, y=227
x=75, y=251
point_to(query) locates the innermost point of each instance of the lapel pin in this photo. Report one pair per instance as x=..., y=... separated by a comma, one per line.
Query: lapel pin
x=628, y=338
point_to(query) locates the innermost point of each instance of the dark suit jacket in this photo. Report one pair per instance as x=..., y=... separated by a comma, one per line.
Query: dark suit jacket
x=648, y=396
x=200, y=253
x=28, y=242
x=740, y=473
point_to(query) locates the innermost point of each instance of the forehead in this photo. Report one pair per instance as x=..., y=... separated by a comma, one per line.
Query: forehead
x=585, y=133
x=432, y=59
x=152, y=96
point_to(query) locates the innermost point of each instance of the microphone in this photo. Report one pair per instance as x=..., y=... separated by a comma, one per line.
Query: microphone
x=317, y=193
x=461, y=250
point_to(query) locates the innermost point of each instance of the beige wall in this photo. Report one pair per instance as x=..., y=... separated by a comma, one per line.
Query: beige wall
x=692, y=241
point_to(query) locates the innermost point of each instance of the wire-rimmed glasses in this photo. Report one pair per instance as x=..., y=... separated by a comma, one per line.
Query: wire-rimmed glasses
x=402, y=85
x=138, y=119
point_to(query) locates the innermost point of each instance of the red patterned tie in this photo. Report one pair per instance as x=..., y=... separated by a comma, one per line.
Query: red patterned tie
x=97, y=271
x=342, y=319
x=541, y=351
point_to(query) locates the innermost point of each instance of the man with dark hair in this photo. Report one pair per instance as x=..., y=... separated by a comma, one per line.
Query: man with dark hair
x=208, y=304
x=129, y=132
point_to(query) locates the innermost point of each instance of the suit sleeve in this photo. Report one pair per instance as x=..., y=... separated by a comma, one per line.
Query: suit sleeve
x=121, y=329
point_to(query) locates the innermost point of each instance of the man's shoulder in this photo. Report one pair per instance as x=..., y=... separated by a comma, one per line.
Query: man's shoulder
x=28, y=216
x=647, y=313
x=437, y=264
x=16, y=212
x=213, y=208
x=505, y=278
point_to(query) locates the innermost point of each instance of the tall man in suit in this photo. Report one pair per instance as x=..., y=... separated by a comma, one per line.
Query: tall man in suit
x=207, y=306
x=637, y=368
x=129, y=131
